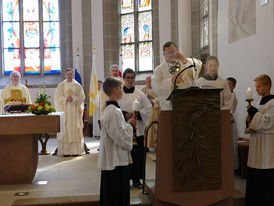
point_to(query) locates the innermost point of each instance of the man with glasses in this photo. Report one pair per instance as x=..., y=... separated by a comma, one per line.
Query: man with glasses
x=132, y=94
x=15, y=91
x=163, y=80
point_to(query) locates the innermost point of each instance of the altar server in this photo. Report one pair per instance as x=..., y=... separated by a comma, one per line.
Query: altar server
x=69, y=97
x=212, y=79
x=131, y=93
x=115, y=146
x=162, y=80
x=15, y=91
x=260, y=173
x=152, y=134
x=232, y=84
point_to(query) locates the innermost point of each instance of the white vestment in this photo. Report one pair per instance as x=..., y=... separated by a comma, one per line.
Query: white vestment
x=162, y=84
x=6, y=93
x=116, y=140
x=225, y=95
x=152, y=134
x=126, y=104
x=72, y=142
x=261, y=146
x=234, y=131
x=96, y=116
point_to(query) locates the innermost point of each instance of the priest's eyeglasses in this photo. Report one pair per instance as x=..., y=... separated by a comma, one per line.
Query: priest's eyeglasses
x=171, y=53
x=130, y=78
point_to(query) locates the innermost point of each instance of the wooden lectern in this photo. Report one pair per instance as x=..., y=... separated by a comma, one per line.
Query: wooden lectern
x=194, y=164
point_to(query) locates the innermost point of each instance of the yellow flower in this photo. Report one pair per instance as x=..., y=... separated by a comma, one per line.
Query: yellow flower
x=40, y=108
x=47, y=107
x=36, y=105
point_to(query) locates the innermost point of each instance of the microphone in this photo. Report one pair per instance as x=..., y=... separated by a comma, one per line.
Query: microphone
x=175, y=81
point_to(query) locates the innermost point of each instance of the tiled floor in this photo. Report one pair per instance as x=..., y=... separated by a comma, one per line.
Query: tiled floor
x=66, y=176
x=72, y=176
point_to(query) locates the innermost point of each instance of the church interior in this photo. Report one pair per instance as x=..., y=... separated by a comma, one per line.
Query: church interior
x=42, y=38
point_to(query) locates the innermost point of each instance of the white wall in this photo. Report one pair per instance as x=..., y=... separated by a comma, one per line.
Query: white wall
x=184, y=27
x=246, y=58
x=97, y=36
x=77, y=36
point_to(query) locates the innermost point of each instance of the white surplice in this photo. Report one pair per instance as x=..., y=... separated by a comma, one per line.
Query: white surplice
x=162, y=84
x=6, y=93
x=95, y=117
x=72, y=141
x=261, y=146
x=126, y=104
x=116, y=140
x=225, y=95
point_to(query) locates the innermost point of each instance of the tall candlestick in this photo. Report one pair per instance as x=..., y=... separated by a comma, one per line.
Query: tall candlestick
x=249, y=93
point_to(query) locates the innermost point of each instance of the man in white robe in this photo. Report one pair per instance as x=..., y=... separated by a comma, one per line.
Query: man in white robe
x=212, y=79
x=232, y=84
x=69, y=97
x=114, y=72
x=163, y=80
x=15, y=91
x=260, y=173
x=96, y=116
x=131, y=94
x=152, y=134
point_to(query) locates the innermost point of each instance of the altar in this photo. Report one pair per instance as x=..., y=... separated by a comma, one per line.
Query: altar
x=19, y=145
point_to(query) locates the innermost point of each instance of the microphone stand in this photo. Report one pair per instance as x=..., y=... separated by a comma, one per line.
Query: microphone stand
x=170, y=97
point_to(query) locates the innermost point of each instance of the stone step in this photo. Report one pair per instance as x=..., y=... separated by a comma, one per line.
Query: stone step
x=86, y=200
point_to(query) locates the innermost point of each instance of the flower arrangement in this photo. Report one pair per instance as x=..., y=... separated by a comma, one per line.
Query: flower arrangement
x=42, y=105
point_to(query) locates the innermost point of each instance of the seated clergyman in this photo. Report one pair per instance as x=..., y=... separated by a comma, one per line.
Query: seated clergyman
x=15, y=91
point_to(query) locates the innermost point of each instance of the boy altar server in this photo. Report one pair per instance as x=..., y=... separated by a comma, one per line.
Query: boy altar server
x=260, y=173
x=133, y=94
x=115, y=146
x=69, y=97
x=212, y=79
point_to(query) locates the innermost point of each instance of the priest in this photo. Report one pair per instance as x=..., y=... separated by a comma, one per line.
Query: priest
x=114, y=72
x=15, y=91
x=132, y=94
x=152, y=134
x=260, y=172
x=162, y=80
x=69, y=97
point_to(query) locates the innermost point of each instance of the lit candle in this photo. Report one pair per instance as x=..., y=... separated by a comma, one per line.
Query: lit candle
x=135, y=105
x=249, y=93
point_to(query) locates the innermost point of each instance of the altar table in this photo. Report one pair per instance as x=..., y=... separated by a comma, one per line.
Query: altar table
x=19, y=145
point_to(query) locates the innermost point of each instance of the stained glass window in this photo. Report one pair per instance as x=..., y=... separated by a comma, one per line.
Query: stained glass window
x=144, y=5
x=40, y=45
x=136, y=35
x=204, y=28
x=10, y=10
x=127, y=6
x=32, y=61
x=145, y=56
x=128, y=56
x=145, y=26
x=127, y=26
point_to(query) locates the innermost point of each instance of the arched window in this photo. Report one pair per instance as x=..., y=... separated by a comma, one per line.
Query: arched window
x=30, y=31
x=136, y=35
x=204, y=28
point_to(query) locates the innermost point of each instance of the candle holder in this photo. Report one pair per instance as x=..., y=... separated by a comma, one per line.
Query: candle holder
x=249, y=101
